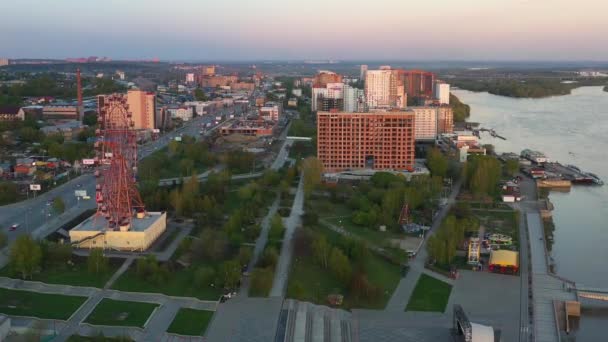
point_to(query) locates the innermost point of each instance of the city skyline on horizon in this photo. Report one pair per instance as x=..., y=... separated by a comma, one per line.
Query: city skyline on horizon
x=188, y=30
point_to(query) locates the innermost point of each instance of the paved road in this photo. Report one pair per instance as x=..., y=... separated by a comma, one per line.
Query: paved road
x=281, y=274
x=406, y=285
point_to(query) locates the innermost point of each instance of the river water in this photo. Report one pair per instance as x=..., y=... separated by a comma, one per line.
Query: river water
x=571, y=129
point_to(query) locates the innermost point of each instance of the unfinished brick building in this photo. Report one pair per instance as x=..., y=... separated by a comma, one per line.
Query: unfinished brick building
x=378, y=140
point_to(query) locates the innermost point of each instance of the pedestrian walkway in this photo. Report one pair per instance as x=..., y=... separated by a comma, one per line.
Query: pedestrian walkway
x=260, y=244
x=123, y=268
x=406, y=285
x=546, y=287
x=281, y=274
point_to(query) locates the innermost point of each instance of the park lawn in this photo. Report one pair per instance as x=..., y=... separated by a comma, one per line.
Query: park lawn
x=121, y=313
x=75, y=275
x=316, y=283
x=430, y=294
x=384, y=274
x=41, y=305
x=326, y=208
x=180, y=284
x=190, y=322
x=375, y=237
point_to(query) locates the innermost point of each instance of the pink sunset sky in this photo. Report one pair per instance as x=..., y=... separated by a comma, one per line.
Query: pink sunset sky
x=338, y=29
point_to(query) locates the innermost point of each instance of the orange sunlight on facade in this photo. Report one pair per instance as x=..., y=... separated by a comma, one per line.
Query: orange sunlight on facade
x=379, y=140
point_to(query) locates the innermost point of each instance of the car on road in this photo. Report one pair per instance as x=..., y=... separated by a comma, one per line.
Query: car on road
x=14, y=227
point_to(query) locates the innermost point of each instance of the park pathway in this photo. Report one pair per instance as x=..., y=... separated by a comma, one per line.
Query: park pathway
x=404, y=290
x=281, y=274
x=260, y=244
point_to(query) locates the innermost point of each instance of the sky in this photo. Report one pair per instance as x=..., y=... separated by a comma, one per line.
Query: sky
x=234, y=30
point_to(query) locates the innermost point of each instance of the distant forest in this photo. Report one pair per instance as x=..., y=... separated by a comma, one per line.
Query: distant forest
x=533, y=88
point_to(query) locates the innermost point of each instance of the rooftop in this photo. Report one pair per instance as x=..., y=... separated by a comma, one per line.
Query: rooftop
x=98, y=223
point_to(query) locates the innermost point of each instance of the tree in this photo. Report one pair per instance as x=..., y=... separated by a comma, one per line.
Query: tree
x=29, y=134
x=177, y=202
x=340, y=265
x=58, y=205
x=437, y=162
x=199, y=95
x=8, y=193
x=230, y=273
x=461, y=111
x=512, y=167
x=97, y=262
x=58, y=253
x=483, y=175
x=312, y=169
x=276, y=228
x=320, y=250
x=186, y=167
x=90, y=120
x=25, y=256
x=270, y=257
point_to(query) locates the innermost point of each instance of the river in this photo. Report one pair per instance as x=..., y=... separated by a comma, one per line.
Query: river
x=571, y=129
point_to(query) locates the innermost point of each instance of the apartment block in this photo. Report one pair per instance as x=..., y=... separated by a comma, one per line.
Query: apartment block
x=142, y=105
x=379, y=140
x=432, y=121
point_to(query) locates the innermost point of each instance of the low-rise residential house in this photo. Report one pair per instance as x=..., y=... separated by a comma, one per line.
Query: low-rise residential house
x=11, y=113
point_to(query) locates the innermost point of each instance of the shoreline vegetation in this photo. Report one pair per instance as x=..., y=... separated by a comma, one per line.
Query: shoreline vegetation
x=462, y=111
x=526, y=88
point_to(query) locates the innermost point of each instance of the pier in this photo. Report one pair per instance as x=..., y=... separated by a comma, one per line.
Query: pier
x=489, y=130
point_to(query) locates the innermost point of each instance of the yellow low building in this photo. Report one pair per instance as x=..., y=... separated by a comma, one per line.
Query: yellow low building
x=93, y=233
x=504, y=261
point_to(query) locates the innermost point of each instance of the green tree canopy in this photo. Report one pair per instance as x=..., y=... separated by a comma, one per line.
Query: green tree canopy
x=25, y=256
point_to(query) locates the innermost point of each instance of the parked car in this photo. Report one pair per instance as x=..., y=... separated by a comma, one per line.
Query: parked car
x=14, y=227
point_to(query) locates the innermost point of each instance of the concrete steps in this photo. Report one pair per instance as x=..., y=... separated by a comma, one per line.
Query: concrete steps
x=306, y=322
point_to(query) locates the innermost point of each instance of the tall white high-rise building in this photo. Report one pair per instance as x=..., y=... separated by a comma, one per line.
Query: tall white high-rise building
x=442, y=92
x=378, y=88
x=354, y=99
x=363, y=71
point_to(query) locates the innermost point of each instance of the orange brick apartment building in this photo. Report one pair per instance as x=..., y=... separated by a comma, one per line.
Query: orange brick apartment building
x=379, y=140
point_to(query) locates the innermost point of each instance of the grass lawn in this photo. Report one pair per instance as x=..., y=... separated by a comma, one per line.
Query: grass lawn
x=190, y=322
x=179, y=284
x=118, y=313
x=24, y=303
x=75, y=275
x=429, y=294
x=326, y=208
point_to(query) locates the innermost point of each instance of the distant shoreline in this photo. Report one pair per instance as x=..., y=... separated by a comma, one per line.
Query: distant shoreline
x=531, y=88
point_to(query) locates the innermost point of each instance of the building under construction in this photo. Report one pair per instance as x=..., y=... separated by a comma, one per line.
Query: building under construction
x=121, y=221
